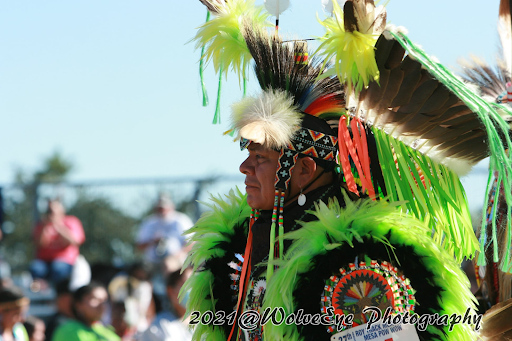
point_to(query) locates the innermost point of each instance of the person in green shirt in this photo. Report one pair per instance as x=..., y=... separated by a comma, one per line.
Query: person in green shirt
x=88, y=305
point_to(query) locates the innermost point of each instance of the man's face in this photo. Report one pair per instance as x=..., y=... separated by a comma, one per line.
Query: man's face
x=56, y=209
x=162, y=210
x=260, y=173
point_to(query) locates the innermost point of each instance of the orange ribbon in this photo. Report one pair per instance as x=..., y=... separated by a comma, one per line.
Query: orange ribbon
x=244, y=276
x=343, y=139
x=358, y=150
x=362, y=151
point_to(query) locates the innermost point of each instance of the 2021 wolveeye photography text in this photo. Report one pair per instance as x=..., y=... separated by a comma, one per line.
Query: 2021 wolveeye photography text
x=256, y=170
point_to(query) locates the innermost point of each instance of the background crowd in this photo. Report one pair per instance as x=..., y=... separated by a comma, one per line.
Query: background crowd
x=86, y=301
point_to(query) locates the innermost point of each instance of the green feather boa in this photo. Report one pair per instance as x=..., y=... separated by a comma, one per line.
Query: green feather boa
x=336, y=227
x=214, y=227
x=342, y=227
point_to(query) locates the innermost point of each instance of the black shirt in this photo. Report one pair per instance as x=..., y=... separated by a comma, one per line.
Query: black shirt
x=292, y=214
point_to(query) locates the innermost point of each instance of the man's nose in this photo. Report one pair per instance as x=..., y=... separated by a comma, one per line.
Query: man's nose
x=246, y=167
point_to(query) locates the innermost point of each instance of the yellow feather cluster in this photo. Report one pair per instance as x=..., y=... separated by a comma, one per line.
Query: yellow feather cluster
x=353, y=53
x=223, y=37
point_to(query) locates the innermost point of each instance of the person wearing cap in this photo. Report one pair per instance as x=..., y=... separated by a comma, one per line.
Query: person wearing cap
x=160, y=235
x=13, y=305
x=170, y=325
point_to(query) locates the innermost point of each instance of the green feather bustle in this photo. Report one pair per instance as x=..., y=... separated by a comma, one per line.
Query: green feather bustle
x=342, y=228
x=495, y=126
x=214, y=227
x=336, y=227
x=441, y=203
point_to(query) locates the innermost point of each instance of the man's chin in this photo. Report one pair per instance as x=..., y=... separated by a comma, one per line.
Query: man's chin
x=251, y=202
x=256, y=204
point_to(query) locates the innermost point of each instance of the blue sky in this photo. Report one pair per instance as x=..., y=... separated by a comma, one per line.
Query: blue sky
x=114, y=85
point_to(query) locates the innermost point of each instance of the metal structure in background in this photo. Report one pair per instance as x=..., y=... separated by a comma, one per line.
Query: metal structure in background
x=102, y=203
x=200, y=185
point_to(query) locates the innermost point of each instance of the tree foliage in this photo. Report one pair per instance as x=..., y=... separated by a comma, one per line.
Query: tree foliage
x=109, y=232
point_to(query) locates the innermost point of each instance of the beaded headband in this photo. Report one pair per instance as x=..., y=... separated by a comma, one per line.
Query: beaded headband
x=306, y=142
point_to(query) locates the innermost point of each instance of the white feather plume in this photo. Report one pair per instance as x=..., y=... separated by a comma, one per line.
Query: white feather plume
x=505, y=32
x=395, y=29
x=270, y=119
x=276, y=7
x=370, y=19
x=214, y=6
x=327, y=5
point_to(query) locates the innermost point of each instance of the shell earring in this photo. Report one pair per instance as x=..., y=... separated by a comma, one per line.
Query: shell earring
x=301, y=200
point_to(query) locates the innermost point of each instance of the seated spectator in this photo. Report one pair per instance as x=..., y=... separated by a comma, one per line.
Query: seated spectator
x=35, y=329
x=168, y=325
x=64, y=308
x=13, y=304
x=88, y=306
x=161, y=235
x=57, y=238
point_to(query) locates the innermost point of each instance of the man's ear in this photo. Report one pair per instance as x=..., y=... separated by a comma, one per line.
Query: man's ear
x=307, y=169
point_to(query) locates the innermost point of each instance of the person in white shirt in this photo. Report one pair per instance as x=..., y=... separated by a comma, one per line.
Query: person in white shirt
x=161, y=235
x=169, y=325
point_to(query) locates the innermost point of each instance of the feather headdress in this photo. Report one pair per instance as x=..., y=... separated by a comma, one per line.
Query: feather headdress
x=328, y=6
x=276, y=7
x=497, y=324
x=283, y=80
x=270, y=120
x=277, y=66
x=403, y=135
x=350, y=41
x=221, y=39
x=505, y=32
x=494, y=84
